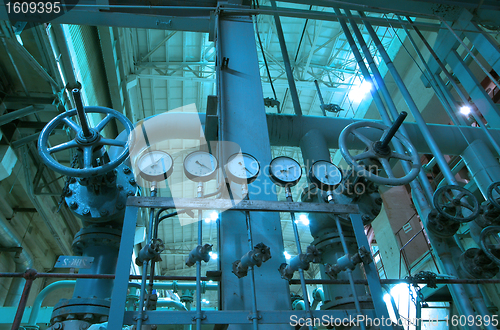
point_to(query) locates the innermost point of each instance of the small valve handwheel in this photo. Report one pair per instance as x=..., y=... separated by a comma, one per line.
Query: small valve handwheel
x=86, y=143
x=379, y=153
x=493, y=194
x=490, y=243
x=456, y=203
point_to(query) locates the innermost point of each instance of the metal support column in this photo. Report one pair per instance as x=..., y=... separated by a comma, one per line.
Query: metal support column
x=370, y=271
x=243, y=126
x=119, y=293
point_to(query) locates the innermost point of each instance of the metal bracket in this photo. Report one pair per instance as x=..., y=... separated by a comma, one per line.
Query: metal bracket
x=203, y=317
x=251, y=317
x=144, y=317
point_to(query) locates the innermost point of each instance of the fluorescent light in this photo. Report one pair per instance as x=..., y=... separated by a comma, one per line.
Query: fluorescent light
x=287, y=255
x=357, y=93
x=465, y=110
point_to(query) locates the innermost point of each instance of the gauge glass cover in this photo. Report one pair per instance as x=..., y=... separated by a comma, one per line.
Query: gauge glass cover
x=155, y=165
x=200, y=166
x=242, y=168
x=325, y=174
x=285, y=171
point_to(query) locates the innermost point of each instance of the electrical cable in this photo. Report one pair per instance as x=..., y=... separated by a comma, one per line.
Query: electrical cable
x=256, y=5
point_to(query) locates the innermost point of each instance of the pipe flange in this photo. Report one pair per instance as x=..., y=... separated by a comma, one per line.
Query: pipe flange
x=91, y=310
x=96, y=236
x=69, y=325
x=323, y=242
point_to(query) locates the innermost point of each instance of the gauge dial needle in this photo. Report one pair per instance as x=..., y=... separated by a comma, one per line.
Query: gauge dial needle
x=156, y=162
x=197, y=162
x=247, y=170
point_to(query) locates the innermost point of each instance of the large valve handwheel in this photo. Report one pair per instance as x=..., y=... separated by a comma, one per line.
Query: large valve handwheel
x=456, y=203
x=86, y=143
x=490, y=243
x=383, y=154
x=493, y=194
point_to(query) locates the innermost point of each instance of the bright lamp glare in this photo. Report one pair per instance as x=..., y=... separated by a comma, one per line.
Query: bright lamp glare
x=287, y=255
x=213, y=217
x=214, y=256
x=357, y=93
x=465, y=110
x=303, y=219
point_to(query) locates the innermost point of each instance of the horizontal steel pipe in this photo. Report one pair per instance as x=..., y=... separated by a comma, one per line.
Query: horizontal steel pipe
x=109, y=276
x=397, y=281
x=287, y=130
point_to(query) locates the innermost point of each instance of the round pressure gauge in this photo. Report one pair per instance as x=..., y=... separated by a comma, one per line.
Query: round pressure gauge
x=200, y=166
x=285, y=171
x=155, y=165
x=325, y=175
x=242, y=168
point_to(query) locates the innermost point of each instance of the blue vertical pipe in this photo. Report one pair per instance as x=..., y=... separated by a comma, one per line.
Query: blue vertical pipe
x=458, y=292
x=456, y=87
x=443, y=165
x=390, y=104
x=243, y=127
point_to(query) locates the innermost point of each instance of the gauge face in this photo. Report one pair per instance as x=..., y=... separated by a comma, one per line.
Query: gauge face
x=155, y=165
x=242, y=168
x=285, y=171
x=200, y=166
x=325, y=175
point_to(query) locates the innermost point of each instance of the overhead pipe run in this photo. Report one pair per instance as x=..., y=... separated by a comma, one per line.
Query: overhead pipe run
x=287, y=130
x=37, y=304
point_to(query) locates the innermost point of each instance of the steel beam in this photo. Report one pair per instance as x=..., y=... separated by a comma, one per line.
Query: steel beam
x=7, y=118
x=244, y=205
x=120, y=286
x=81, y=16
x=487, y=13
